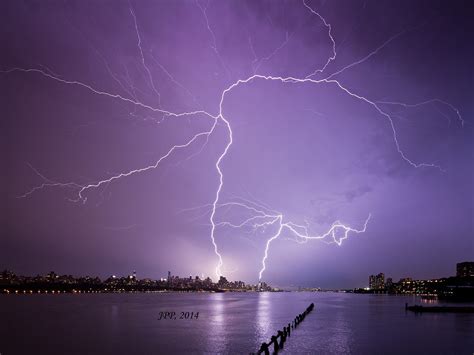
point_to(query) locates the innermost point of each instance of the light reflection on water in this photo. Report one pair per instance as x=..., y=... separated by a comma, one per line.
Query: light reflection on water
x=229, y=323
x=217, y=323
x=263, y=316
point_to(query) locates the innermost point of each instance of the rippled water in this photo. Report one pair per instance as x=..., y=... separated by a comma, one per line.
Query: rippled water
x=233, y=323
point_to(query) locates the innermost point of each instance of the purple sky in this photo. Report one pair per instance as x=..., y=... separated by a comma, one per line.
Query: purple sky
x=310, y=151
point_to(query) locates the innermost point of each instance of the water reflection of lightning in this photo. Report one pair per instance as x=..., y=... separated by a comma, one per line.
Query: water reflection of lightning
x=262, y=216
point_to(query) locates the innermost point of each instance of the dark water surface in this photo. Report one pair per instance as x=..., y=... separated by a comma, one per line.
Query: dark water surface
x=229, y=323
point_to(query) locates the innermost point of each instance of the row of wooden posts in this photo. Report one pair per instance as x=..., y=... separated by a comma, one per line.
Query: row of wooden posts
x=283, y=334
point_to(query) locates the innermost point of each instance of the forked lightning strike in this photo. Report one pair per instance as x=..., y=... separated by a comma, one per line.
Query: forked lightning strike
x=262, y=215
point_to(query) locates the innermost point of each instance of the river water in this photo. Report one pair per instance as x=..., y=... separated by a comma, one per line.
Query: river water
x=227, y=323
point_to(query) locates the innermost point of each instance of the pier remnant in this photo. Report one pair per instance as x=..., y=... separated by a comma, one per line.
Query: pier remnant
x=284, y=334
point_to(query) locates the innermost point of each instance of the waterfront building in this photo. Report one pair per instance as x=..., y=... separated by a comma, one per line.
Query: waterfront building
x=377, y=282
x=222, y=283
x=372, y=282
x=465, y=269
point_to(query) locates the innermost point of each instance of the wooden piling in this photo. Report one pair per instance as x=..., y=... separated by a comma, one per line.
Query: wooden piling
x=283, y=334
x=264, y=349
x=275, y=344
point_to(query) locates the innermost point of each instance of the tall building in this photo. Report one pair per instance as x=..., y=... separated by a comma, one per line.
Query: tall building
x=222, y=282
x=380, y=281
x=372, y=282
x=465, y=269
x=52, y=276
x=377, y=282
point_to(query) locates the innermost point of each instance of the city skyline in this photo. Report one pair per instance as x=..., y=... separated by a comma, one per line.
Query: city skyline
x=11, y=283
x=376, y=281
x=293, y=143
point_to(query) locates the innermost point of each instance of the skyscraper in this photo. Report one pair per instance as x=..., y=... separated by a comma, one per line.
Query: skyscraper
x=377, y=282
x=380, y=281
x=372, y=282
x=465, y=269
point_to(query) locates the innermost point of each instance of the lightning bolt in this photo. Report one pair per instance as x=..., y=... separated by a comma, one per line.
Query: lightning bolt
x=262, y=216
x=305, y=235
x=213, y=36
x=332, y=57
x=139, y=44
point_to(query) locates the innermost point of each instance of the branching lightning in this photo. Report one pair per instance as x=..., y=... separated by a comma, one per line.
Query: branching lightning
x=139, y=44
x=261, y=215
x=332, y=57
x=213, y=36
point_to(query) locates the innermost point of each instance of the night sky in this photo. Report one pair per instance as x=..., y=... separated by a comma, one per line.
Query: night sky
x=84, y=86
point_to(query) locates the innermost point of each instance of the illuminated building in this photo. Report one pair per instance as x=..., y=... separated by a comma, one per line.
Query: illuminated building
x=377, y=282
x=372, y=282
x=465, y=269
